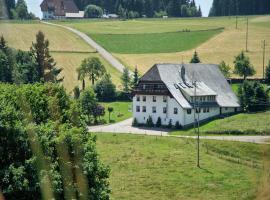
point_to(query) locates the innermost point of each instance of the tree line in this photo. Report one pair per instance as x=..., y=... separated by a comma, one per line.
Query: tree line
x=22, y=67
x=18, y=10
x=148, y=8
x=239, y=7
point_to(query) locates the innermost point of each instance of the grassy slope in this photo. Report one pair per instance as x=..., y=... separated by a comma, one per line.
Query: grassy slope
x=21, y=36
x=142, y=26
x=70, y=61
x=241, y=122
x=153, y=42
x=224, y=46
x=121, y=111
x=144, y=167
x=67, y=48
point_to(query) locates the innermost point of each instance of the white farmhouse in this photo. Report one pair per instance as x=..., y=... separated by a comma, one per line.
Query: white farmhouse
x=167, y=91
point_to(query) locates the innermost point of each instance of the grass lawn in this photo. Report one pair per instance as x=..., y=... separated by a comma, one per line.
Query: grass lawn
x=121, y=111
x=144, y=167
x=248, y=123
x=153, y=42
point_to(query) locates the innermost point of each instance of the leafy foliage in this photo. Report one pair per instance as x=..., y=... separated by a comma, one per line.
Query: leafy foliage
x=225, y=69
x=45, y=147
x=253, y=96
x=242, y=66
x=93, y=11
x=267, y=74
x=139, y=8
x=91, y=67
x=105, y=89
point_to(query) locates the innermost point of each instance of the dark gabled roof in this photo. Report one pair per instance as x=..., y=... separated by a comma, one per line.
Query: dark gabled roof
x=151, y=75
x=209, y=75
x=60, y=7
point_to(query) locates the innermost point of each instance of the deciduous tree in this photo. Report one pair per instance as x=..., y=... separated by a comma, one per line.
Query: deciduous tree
x=243, y=67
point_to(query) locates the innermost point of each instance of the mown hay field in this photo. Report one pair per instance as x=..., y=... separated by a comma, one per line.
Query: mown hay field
x=67, y=48
x=224, y=46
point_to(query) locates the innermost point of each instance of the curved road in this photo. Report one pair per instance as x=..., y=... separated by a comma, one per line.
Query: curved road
x=103, y=52
x=126, y=127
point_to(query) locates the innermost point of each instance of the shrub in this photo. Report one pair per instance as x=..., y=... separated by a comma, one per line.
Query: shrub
x=93, y=11
x=105, y=89
x=159, y=124
x=135, y=122
x=76, y=92
x=149, y=122
x=170, y=124
x=178, y=125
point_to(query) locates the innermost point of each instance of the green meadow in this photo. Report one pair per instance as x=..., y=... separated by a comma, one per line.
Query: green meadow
x=154, y=42
x=145, y=167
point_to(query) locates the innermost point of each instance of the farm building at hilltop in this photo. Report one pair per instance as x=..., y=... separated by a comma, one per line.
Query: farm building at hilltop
x=60, y=9
x=167, y=91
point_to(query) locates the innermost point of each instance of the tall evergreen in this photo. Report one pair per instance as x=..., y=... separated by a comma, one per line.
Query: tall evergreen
x=46, y=65
x=239, y=7
x=195, y=58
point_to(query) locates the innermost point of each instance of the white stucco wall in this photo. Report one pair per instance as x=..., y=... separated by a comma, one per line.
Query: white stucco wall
x=183, y=117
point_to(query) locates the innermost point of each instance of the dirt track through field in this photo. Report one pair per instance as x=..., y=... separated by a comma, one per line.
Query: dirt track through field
x=104, y=53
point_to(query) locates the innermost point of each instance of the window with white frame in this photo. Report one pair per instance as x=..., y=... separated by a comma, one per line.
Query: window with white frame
x=164, y=110
x=175, y=111
x=165, y=99
x=144, y=98
x=138, y=109
x=154, y=109
x=154, y=99
x=189, y=111
x=144, y=109
x=138, y=98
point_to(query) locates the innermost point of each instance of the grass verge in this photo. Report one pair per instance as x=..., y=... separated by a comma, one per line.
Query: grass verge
x=240, y=124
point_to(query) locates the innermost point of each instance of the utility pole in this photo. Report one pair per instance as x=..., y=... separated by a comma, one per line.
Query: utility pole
x=196, y=123
x=263, y=47
x=236, y=22
x=247, y=36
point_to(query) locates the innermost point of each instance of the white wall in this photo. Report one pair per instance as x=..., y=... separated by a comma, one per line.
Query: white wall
x=182, y=117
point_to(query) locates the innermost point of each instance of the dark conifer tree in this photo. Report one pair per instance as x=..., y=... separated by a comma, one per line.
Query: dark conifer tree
x=46, y=65
x=195, y=58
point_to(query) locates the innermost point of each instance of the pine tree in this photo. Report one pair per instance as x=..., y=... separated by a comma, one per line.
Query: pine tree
x=267, y=74
x=126, y=80
x=135, y=77
x=3, y=44
x=47, y=70
x=195, y=58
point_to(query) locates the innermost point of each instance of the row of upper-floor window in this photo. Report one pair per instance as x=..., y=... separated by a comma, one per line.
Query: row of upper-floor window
x=175, y=110
x=154, y=98
x=203, y=98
